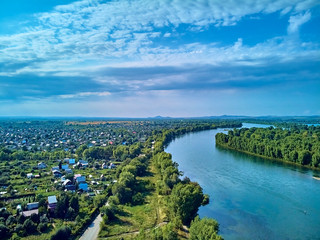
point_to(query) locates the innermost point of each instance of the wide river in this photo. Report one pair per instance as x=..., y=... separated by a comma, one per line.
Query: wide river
x=250, y=197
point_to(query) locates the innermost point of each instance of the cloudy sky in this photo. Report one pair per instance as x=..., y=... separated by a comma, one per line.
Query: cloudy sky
x=141, y=58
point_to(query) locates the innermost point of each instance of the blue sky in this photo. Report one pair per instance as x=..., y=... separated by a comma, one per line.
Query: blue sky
x=141, y=58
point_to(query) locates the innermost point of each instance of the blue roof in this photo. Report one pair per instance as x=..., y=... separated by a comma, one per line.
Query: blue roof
x=83, y=186
x=52, y=199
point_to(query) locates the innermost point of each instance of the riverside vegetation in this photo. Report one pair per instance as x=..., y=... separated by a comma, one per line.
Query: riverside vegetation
x=142, y=187
x=299, y=144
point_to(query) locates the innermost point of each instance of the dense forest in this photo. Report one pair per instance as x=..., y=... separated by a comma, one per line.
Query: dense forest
x=297, y=144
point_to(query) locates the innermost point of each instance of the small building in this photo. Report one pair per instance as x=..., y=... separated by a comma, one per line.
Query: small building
x=80, y=179
x=19, y=207
x=41, y=165
x=55, y=168
x=67, y=182
x=29, y=175
x=56, y=173
x=83, y=186
x=71, y=188
x=72, y=161
x=52, y=202
x=112, y=166
x=33, y=205
x=104, y=166
x=30, y=212
x=65, y=166
x=82, y=163
x=68, y=171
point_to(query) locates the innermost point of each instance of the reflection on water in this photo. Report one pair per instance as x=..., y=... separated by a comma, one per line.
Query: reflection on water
x=251, y=197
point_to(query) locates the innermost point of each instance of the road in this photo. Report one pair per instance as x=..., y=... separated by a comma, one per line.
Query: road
x=92, y=231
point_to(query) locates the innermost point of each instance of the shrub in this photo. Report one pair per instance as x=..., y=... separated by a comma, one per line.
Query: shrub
x=62, y=234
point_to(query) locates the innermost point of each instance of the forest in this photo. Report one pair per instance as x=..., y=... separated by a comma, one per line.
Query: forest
x=298, y=144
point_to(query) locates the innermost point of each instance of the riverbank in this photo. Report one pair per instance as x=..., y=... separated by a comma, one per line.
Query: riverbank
x=249, y=191
x=269, y=158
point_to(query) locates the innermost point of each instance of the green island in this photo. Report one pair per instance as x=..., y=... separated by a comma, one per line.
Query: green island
x=58, y=176
x=298, y=144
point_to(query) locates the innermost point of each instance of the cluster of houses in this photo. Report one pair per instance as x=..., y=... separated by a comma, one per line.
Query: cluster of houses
x=77, y=182
x=44, y=137
x=33, y=208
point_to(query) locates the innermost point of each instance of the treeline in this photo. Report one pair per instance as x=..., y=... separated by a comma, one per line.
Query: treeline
x=164, y=137
x=299, y=144
x=182, y=197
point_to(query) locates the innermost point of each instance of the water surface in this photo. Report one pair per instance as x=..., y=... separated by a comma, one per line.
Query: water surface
x=251, y=197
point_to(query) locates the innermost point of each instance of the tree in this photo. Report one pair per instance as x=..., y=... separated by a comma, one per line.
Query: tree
x=185, y=201
x=62, y=234
x=71, y=214
x=305, y=157
x=42, y=227
x=11, y=220
x=4, y=231
x=204, y=229
x=316, y=159
x=29, y=226
x=74, y=203
x=123, y=193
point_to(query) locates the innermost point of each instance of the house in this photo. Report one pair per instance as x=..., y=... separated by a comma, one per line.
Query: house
x=68, y=171
x=71, y=188
x=29, y=175
x=112, y=165
x=82, y=163
x=57, y=173
x=19, y=207
x=83, y=186
x=30, y=212
x=104, y=166
x=52, y=202
x=65, y=166
x=67, y=182
x=33, y=205
x=80, y=179
x=55, y=168
x=72, y=161
x=41, y=165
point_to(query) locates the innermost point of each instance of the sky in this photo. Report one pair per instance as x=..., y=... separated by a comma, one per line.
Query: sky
x=144, y=58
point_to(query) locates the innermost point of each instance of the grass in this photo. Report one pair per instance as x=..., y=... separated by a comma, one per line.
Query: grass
x=132, y=219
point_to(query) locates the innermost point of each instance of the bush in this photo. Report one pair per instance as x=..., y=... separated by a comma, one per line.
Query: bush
x=62, y=234
x=20, y=230
x=29, y=226
x=42, y=227
x=4, y=231
x=137, y=199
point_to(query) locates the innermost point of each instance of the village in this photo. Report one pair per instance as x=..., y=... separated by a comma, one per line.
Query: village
x=66, y=181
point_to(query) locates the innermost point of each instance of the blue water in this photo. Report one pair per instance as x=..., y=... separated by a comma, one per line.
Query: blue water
x=251, y=197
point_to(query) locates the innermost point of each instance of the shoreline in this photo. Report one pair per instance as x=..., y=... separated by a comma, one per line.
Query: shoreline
x=270, y=158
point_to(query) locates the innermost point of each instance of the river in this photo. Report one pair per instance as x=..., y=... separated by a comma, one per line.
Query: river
x=250, y=197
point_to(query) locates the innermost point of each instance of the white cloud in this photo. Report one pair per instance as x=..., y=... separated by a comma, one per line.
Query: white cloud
x=297, y=20
x=122, y=33
x=84, y=94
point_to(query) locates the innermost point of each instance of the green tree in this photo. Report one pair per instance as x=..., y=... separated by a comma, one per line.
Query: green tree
x=29, y=226
x=62, y=234
x=204, y=229
x=185, y=201
x=4, y=231
x=74, y=203
x=316, y=160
